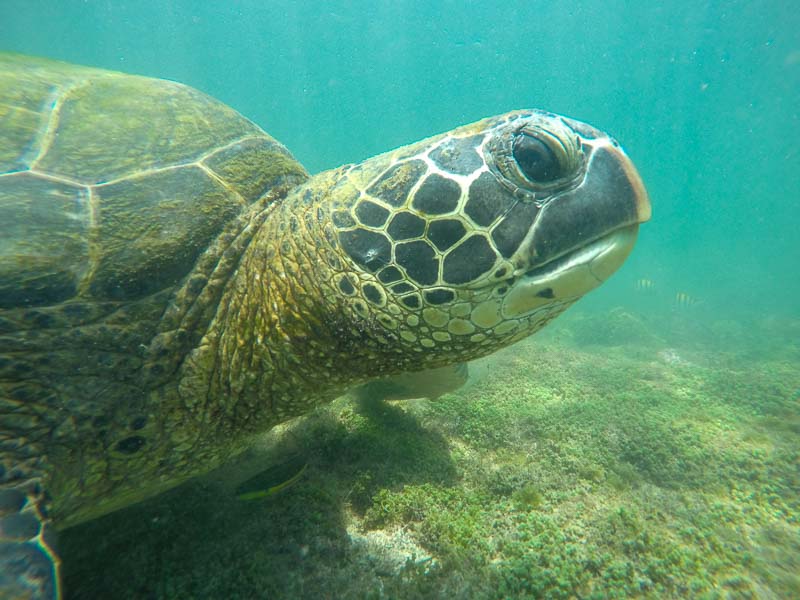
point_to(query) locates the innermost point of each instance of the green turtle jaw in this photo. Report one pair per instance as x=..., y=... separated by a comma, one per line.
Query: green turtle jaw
x=611, y=251
x=571, y=275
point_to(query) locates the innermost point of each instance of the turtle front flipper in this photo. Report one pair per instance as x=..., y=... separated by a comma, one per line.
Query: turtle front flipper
x=421, y=384
x=28, y=565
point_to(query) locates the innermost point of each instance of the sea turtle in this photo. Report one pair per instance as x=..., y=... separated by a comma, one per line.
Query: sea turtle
x=172, y=281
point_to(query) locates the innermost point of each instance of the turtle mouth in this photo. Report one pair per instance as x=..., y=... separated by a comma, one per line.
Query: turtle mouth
x=600, y=257
x=567, y=277
x=582, y=236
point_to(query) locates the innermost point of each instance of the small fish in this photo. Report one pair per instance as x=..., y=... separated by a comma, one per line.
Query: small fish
x=251, y=490
x=644, y=285
x=684, y=300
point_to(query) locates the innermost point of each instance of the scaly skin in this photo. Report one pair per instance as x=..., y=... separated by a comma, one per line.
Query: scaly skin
x=286, y=338
x=158, y=359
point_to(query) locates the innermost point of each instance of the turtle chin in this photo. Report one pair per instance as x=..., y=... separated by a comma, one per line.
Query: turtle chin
x=564, y=279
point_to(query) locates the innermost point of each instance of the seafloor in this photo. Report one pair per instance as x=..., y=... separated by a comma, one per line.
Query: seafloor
x=599, y=459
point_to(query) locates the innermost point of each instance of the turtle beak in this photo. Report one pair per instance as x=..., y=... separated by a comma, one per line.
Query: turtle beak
x=608, y=204
x=584, y=235
x=640, y=196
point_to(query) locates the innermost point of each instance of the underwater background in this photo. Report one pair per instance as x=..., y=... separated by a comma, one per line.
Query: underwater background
x=647, y=443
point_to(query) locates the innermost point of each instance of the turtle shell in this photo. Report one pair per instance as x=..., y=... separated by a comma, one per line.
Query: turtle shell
x=112, y=185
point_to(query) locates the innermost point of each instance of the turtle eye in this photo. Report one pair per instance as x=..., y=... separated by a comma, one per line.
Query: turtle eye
x=535, y=159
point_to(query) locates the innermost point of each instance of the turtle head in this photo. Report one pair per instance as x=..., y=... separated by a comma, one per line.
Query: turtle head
x=471, y=240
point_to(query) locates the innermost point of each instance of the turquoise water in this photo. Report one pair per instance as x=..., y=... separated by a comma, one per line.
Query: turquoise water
x=704, y=96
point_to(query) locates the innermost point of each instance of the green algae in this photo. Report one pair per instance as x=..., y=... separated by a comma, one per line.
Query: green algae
x=562, y=470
